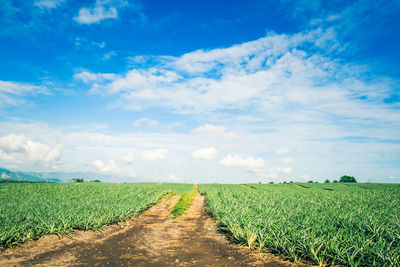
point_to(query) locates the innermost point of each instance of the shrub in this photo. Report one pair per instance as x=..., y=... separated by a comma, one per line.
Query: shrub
x=77, y=180
x=327, y=181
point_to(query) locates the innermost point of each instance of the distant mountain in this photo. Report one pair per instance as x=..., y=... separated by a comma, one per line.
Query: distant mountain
x=87, y=176
x=59, y=177
x=7, y=175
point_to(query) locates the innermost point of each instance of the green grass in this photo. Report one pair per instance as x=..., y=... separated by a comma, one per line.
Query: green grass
x=32, y=210
x=184, y=202
x=325, y=224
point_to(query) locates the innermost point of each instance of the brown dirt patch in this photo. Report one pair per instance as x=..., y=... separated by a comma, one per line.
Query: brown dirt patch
x=153, y=238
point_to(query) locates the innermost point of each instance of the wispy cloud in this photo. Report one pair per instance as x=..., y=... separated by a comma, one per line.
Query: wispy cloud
x=275, y=75
x=209, y=129
x=102, y=10
x=15, y=93
x=49, y=4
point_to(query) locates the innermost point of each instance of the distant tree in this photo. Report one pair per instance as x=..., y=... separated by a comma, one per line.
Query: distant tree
x=291, y=182
x=327, y=181
x=77, y=180
x=347, y=179
x=335, y=181
x=284, y=182
x=96, y=181
x=310, y=182
x=271, y=182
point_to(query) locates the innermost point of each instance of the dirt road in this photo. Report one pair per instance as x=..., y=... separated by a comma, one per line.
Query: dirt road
x=153, y=238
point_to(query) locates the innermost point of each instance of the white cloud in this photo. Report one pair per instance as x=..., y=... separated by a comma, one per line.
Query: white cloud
x=109, y=55
x=18, y=149
x=209, y=129
x=251, y=164
x=108, y=167
x=391, y=177
x=282, y=151
x=276, y=76
x=287, y=160
x=145, y=122
x=97, y=13
x=209, y=153
x=83, y=145
x=154, y=155
x=14, y=93
x=48, y=3
x=93, y=78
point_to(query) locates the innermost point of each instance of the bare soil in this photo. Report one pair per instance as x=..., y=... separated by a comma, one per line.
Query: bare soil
x=153, y=238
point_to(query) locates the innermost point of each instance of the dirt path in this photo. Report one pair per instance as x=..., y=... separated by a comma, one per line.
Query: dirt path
x=151, y=239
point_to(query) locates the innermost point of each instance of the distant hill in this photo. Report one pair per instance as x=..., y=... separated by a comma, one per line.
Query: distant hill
x=7, y=175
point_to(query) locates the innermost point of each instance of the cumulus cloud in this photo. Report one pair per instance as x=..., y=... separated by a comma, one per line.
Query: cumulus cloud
x=251, y=164
x=107, y=167
x=83, y=145
x=154, y=155
x=18, y=149
x=209, y=153
x=209, y=129
x=100, y=11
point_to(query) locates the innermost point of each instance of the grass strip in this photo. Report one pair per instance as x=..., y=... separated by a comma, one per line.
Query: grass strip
x=184, y=203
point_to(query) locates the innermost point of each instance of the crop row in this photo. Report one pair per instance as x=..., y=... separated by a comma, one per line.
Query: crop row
x=357, y=225
x=30, y=211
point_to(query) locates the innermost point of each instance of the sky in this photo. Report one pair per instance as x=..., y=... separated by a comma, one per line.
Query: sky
x=202, y=91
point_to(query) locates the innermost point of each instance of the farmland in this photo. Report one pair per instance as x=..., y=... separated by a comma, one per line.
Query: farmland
x=32, y=210
x=323, y=224
x=351, y=225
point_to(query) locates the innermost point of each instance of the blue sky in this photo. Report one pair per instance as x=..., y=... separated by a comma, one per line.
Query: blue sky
x=201, y=91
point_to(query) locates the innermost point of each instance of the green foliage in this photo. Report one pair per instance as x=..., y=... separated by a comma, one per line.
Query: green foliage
x=77, y=180
x=335, y=181
x=347, y=179
x=325, y=224
x=327, y=181
x=185, y=201
x=310, y=182
x=32, y=210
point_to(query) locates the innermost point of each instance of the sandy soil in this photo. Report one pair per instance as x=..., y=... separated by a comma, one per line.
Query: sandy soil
x=153, y=238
